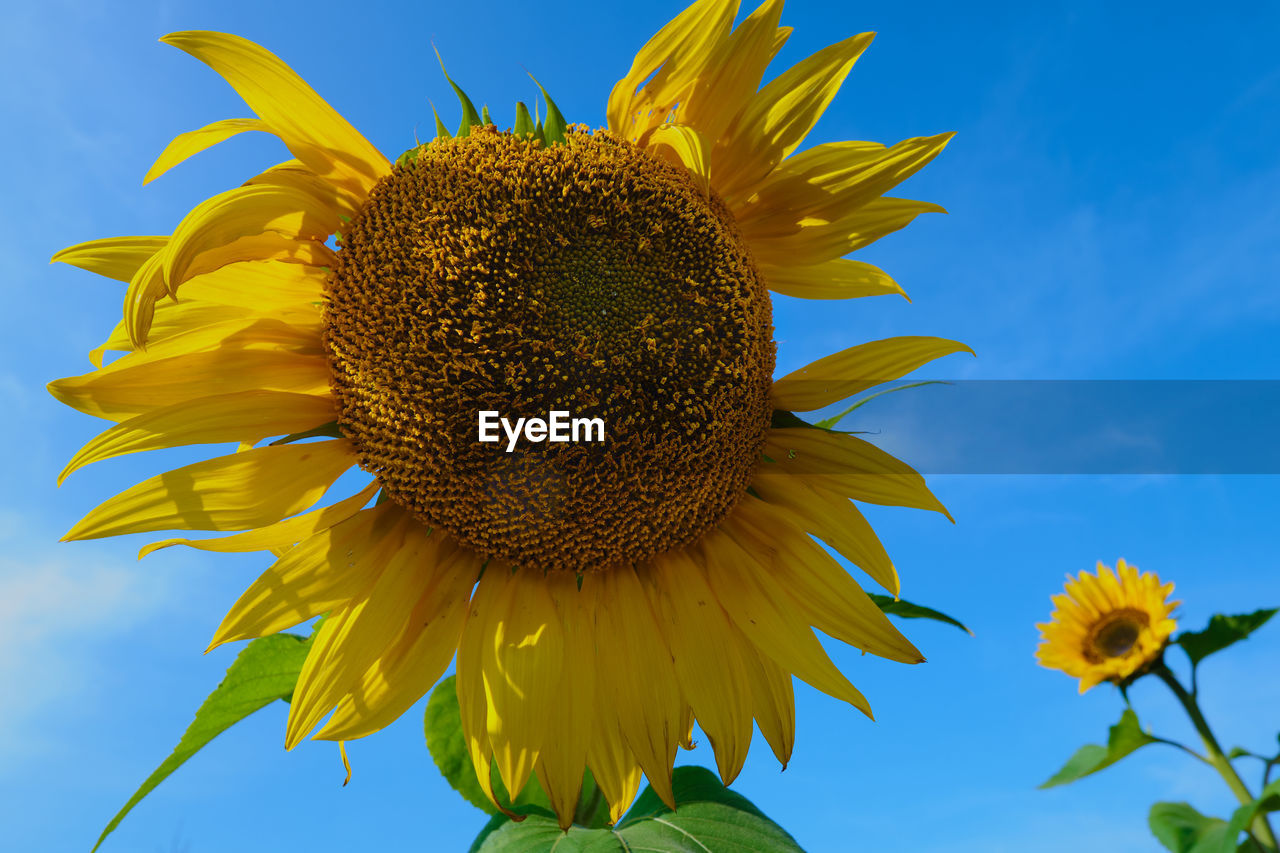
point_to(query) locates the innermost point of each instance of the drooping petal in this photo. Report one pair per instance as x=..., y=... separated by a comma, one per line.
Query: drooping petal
x=403, y=675
x=235, y=492
x=773, y=699
x=687, y=147
x=246, y=416
x=761, y=608
x=636, y=679
x=829, y=599
x=324, y=571
x=114, y=257
x=841, y=278
x=560, y=767
x=473, y=704
x=187, y=145
x=847, y=464
x=708, y=665
x=836, y=521
x=841, y=375
x=521, y=664
x=315, y=133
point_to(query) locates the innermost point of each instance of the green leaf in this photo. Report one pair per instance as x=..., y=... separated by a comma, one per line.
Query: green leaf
x=1222, y=631
x=470, y=118
x=829, y=423
x=709, y=817
x=907, y=610
x=1124, y=737
x=264, y=671
x=1182, y=829
x=524, y=122
x=1268, y=801
x=555, y=127
x=443, y=727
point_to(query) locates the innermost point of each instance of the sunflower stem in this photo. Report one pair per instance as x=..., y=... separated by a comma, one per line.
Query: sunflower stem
x=1261, y=828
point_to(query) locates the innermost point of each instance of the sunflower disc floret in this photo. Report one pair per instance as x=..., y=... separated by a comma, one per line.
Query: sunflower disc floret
x=492, y=272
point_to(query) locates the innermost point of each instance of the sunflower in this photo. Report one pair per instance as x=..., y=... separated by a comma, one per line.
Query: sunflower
x=600, y=597
x=1108, y=627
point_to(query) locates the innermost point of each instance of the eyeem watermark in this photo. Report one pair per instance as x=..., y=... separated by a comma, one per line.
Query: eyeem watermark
x=558, y=426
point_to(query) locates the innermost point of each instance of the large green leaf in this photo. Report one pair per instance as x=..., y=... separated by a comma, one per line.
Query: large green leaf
x=442, y=724
x=709, y=817
x=1222, y=631
x=907, y=610
x=1268, y=801
x=1182, y=829
x=1125, y=737
x=264, y=671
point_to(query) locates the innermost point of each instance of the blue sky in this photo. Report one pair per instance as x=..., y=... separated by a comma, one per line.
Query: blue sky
x=1115, y=198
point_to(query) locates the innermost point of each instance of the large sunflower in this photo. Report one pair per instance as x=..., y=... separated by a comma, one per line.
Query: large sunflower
x=600, y=597
x=1108, y=627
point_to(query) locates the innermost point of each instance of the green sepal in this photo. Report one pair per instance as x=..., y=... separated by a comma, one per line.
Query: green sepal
x=442, y=132
x=1221, y=632
x=524, y=121
x=470, y=118
x=907, y=610
x=555, y=128
x=484, y=115
x=1124, y=738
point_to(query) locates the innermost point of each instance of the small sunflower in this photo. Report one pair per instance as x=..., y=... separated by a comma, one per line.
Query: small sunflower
x=1108, y=627
x=599, y=598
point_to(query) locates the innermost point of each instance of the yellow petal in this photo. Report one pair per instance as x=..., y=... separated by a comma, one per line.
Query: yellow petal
x=521, y=663
x=773, y=699
x=118, y=395
x=708, y=665
x=322, y=572
x=247, y=416
x=685, y=147
x=193, y=142
x=847, y=464
x=820, y=240
x=612, y=763
x=401, y=677
x=472, y=703
x=778, y=118
x=371, y=625
x=828, y=182
x=145, y=288
x=283, y=534
x=262, y=285
x=636, y=676
x=841, y=375
x=677, y=53
x=834, y=520
x=571, y=716
x=838, y=279
x=246, y=211
x=760, y=607
x=824, y=593
x=315, y=133
x=233, y=492
x=114, y=257
x=732, y=73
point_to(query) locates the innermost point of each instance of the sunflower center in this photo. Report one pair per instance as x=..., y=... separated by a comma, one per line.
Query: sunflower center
x=1117, y=634
x=494, y=274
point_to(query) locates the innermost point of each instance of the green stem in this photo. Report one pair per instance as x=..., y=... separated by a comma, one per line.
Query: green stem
x=1261, y=828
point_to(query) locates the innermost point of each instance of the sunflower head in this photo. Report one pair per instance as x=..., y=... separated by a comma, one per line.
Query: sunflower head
x=1108, y=627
